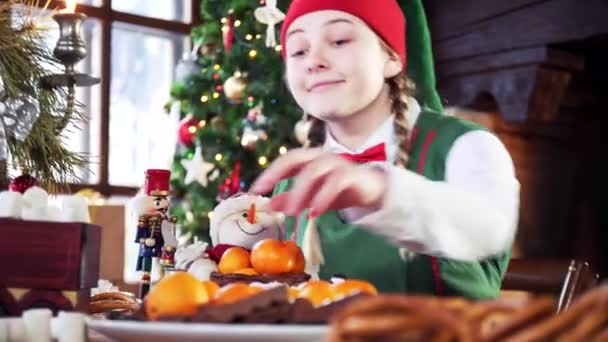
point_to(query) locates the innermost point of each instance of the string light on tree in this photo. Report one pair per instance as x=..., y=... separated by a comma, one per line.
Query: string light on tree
x=252, y=54
x=204, y=98
x=218, y=157
x=216, y=95
x=248, y=37
x=283, y=150
x=263, y=161
x=216, y=67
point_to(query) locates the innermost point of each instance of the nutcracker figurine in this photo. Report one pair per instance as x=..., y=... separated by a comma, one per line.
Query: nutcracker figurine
x=155, y=229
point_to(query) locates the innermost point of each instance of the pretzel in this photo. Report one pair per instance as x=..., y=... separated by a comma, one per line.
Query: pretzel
x=108, y=305
x=113, y=295
x=520, y=319
x=109, y=301
x=568, y=319
x=394, y=317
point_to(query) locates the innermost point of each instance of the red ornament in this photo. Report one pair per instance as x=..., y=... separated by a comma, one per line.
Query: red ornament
x=22, y=183
x=187, y=131
x=228, y=33
x=232, y=184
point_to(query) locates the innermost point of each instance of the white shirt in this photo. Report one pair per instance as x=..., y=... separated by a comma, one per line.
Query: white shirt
x=471, y=215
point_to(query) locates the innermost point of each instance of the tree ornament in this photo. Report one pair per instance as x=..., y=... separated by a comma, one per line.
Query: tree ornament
x=234, y=87
x=232, y=184
x=218, y=123
x=188, y=65
x=269, y=15
x=17, y=118
x=197, y=168
x=187, y=130
x=301, y=130
x=228, y=30
x=253, y=128
x=209, y=48
x=22, y=183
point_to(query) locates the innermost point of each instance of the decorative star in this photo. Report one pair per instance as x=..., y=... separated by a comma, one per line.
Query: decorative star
x=197, y=168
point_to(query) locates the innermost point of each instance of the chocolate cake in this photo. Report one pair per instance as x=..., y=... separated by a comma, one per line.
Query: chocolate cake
x=290, y=279
x=271, y=306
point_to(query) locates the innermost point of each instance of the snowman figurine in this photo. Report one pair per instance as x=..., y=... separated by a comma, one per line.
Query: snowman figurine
x=240, y=220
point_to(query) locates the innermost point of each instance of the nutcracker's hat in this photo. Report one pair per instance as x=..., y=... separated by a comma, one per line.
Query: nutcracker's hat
x=157, y=182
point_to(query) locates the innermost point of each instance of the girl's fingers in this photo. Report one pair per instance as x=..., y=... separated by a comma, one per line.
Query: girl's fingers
x=279, y=202
x=310, y=179
x=285, y=166
x=332, y=194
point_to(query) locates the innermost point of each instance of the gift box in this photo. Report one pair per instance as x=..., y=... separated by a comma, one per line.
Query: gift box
x=47, y=264
x=111, y=219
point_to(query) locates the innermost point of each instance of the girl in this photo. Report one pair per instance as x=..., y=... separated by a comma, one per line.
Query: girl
x=403, y=196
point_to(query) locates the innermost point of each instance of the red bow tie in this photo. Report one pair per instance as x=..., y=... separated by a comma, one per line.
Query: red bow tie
x=374, y=153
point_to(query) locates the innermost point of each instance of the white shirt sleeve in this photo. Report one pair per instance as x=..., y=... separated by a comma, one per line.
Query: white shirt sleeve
x=471, y=215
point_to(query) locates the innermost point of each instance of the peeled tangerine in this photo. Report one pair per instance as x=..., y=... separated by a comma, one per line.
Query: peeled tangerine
x=234, y=292
x=351, y=287
x=178, y=294
x=275, y=257
x=321, y=292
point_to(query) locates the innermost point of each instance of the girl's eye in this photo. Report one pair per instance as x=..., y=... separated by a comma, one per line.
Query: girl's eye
x=298, y=53
x=341, y=42
x=244, y=215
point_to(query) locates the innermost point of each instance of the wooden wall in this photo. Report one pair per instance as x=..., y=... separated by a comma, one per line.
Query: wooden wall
x=538, y=68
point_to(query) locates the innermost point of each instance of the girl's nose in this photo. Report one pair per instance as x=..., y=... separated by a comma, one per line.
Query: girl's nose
x=316, y=61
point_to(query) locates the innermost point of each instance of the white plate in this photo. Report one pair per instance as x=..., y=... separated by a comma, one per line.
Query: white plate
x=169, y=331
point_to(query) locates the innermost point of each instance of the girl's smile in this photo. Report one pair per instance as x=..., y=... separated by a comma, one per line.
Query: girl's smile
x=320, y=86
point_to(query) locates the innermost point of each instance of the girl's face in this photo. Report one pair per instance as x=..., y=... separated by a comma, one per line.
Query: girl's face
x=336, y=65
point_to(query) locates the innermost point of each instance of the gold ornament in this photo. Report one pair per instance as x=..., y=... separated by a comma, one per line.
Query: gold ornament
x=93, y=197
x=218, y=123
x=234, y=87
x=209, y=49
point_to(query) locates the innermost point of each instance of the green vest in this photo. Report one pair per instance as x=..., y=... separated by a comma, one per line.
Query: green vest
x=354, y=252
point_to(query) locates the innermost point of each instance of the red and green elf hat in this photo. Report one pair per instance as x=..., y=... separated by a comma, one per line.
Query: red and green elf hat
x=387, y=19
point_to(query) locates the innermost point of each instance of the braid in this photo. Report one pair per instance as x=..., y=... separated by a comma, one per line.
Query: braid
x=401, y=87
x=316, y=133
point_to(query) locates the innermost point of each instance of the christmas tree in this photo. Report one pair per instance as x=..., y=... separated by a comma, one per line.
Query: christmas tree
x=237, y=114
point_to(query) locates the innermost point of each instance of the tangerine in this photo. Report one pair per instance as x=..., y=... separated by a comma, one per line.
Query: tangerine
x=297, y=262
x=234, y=292
x=275, y=257
x=178, y=294
x=234, y=258
x=318, y=292
x=211, y=287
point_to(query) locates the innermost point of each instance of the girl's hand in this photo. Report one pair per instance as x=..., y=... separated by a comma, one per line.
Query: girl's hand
x=324, y=181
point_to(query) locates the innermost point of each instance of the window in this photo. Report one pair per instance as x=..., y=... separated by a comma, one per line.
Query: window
x=133, y=46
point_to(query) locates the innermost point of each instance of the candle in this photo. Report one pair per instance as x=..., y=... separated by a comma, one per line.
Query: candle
x=70, y=7
x=251, y=213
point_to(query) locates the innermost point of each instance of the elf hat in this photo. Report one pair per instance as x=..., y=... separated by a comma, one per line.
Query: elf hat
x=386, y=18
